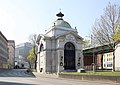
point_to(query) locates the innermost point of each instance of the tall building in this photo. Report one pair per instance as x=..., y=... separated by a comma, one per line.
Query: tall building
x=11, y=50
x=21, y=52
x=3, y=51
x=60, y=48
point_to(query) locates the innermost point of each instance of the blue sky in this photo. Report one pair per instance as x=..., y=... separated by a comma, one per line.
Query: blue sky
x=21, y=18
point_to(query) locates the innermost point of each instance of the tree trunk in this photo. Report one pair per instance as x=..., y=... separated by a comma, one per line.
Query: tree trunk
x=29, y=65
x=113, y=61
x=35, y=61
x=113, y=57
x=102, y=61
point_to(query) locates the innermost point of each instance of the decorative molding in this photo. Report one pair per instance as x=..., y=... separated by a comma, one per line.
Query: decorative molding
x=70, y=37
x=61, y=40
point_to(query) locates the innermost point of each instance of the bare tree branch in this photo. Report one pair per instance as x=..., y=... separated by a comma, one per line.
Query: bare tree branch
x=105, y=27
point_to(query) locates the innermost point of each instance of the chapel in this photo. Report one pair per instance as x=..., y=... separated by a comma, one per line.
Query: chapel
x=59, y=48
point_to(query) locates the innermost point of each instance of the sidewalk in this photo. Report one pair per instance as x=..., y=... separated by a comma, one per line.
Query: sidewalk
x=37, y=74
x=4, y=69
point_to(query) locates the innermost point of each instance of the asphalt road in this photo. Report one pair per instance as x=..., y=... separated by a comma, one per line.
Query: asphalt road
x=20, y=77
x=14, y=73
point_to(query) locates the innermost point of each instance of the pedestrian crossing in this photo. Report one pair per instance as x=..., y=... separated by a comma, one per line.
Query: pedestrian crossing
x=15, y=73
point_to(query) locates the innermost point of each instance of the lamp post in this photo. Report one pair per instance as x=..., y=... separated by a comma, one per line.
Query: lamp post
x=93, y=51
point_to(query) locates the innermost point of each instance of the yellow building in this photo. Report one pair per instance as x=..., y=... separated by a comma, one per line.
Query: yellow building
x=108, y=60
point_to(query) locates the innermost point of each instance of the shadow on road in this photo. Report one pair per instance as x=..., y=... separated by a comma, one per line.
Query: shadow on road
x=12, y=83
x=15, y=73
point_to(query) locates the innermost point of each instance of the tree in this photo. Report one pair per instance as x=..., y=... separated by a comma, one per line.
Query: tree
x=33, y=39
x=86, y=43
x=116, y=36
x=105, y=27
x=31, y=57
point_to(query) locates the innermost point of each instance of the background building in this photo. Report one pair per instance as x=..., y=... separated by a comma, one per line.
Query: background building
x=117, y=57
x=108, y=60
x=3, y=51
x=101, y=56
x=21, y=52
x=11, y=50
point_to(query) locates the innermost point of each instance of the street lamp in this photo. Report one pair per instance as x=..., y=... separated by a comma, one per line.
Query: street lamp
x=93, y=44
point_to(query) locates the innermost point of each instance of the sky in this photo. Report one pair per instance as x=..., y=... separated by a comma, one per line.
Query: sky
x=21, y=18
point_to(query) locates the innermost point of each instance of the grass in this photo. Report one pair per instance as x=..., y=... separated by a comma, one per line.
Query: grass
x=95, y=73
x=33, y=70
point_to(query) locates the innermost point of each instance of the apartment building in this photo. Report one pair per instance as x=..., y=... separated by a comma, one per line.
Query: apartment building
x=108, y=60
x=21, y=52
x=3, y=51
x=11, y=50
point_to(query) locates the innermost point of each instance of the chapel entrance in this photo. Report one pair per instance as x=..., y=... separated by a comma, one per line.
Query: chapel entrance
x=69, y=56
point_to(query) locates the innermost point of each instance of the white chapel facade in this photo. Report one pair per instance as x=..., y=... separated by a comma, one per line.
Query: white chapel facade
x=60, y=48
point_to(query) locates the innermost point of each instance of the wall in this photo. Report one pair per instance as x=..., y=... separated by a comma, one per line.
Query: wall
x=115, y=79
x=99, y=61
x=117, y=57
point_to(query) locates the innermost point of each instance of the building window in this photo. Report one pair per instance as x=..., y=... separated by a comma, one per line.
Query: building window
x=104, y=65
x=69, y=46
x=109, y=65
x=41, y=47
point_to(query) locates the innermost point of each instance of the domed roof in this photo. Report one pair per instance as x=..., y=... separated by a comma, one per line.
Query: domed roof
x=62, y=23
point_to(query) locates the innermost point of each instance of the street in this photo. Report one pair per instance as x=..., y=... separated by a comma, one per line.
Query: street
x=20, y=77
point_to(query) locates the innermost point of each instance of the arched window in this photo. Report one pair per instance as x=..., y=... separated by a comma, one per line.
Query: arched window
x=69, y=46
x=41, y=47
